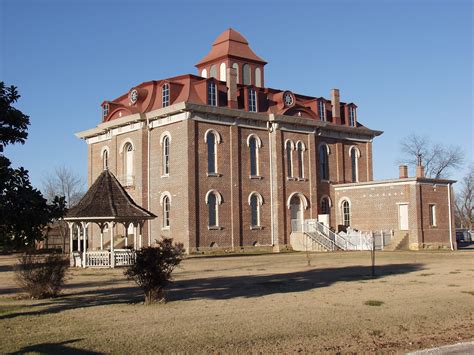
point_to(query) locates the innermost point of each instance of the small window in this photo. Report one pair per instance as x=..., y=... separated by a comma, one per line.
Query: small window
x=258, y=77
x=222, y=72
x=253, y=148
x=300, y=152
x=325, y=207
x=323, y=162
x=212, y=203
x=346, y=213
x=211, y=93
x=255, y=204
x=166, y=156
x=105, y=110
x=321, y=110
x=352, y=116
x=289, y=159
x=354, y=153
x=211, y=153
x=128, y=164
x=105, y=159
x=166, y=212
x=252, y=100
x=246, y=74
x=236, y=67
x=213, y=71
x=165, y=93
x=433, y=222
x=204, y=73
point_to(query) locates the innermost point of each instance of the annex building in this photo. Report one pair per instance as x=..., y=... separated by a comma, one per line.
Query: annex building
x=225, y=161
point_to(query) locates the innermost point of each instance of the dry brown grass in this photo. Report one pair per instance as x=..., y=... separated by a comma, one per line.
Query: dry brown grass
x=271, y=303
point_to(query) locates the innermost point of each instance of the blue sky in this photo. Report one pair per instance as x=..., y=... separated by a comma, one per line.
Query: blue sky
x=407, y=64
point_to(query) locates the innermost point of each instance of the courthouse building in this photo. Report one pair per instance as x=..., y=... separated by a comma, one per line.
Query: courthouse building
x=225, y=161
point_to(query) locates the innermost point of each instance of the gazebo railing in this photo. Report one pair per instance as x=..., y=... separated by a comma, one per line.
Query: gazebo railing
x=98, y=258
x=103, y=258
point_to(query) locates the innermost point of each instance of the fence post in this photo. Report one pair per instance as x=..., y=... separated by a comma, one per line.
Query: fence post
x=383, y=240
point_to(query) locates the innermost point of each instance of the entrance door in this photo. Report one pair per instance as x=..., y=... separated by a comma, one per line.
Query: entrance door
x=297, y=217
x=403, y=217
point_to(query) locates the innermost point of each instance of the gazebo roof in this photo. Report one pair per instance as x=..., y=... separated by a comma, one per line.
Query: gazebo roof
x=107, y=200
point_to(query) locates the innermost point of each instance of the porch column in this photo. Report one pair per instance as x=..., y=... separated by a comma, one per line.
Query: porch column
x=112, y=256
x=85, y=244
x=126, y=234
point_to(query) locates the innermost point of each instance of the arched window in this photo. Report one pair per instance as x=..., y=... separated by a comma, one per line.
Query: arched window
x=166, y=156
x=128, y=164
x=213, y=200
x=346, y=213
x=255, y=202
x=212, y=138
x=213, y=71
x=324, y=161
x=204, y=73
x=246, y=74
x=258, y=77
x=236, y=67
x=254, y=143
x=105, y=159
x=325, y=205
x=354, y=154
x=211, y=93
x=300, y=148
x=166, y=211
x=165, y=95
x=222, y=72
x=252, y=102
x=289, y=158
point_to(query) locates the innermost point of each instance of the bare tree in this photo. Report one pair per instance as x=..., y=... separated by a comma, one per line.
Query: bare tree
x=64, y=182
x=437, y=158
x=465, y=202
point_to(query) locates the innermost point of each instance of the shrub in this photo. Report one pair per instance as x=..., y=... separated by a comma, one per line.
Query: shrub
x=153, y=267
x=42, y=276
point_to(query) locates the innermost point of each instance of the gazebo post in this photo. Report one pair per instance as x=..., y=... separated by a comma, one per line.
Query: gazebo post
x=134, y=236
x=112, y=256
x=70, y=225
x=101, y=236
x=140, y=225
x=125, y=225
x=85, y=244
x=79, y=248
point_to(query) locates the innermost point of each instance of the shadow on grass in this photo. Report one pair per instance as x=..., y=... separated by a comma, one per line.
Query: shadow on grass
x=55, y=348
x=5, y=268
x=213, y=288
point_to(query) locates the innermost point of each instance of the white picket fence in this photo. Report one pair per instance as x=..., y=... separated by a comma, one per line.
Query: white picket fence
x=105, y=258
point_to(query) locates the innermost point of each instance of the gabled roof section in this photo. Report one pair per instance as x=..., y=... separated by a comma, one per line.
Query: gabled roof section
x=107, y=198
x=231, y=43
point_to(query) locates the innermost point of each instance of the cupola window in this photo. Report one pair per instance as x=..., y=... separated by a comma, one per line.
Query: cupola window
x=252, y=100
x=211, y=93
x=165, y=91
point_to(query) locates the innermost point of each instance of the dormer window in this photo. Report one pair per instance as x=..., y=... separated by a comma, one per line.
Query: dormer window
x=322, y=110
x=352, y=116
x=252, y=100
x=105, y=110
x=211, y=93
x=165, y=95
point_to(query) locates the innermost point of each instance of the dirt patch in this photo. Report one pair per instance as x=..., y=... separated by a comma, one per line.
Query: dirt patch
x=268, y=303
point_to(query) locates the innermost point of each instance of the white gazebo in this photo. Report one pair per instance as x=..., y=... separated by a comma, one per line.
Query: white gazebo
x=107, y=205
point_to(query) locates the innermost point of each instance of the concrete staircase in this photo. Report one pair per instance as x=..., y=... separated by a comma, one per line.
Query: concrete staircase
x=398, y=242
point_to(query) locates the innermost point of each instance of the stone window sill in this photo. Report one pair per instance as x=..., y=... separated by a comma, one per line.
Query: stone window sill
x=326, y=181
x=165, y=228
x=302, y=179
x=214, y=228
x=256, y=228
x=214, y=175
x=255, y=177
x=165, y=176
x=291, y=179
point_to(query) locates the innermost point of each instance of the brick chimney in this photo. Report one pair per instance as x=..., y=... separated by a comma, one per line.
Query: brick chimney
x=420, y=169
x=403, y=171
x=231, y=88
x=336, y=106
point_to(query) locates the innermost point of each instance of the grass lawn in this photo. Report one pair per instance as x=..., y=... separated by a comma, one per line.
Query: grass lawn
x=270, y=303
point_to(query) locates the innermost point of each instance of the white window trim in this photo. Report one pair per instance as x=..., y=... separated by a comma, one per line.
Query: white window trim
x=219, y=201
x=217, y=140
x=352, y=149
x=303, y=149
x=162, y=199
x=432, y=213
x=258, y=145
x=259, y=205
x=329, y=201
x=292, y=148
x=301, y=196
x=328, y=152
